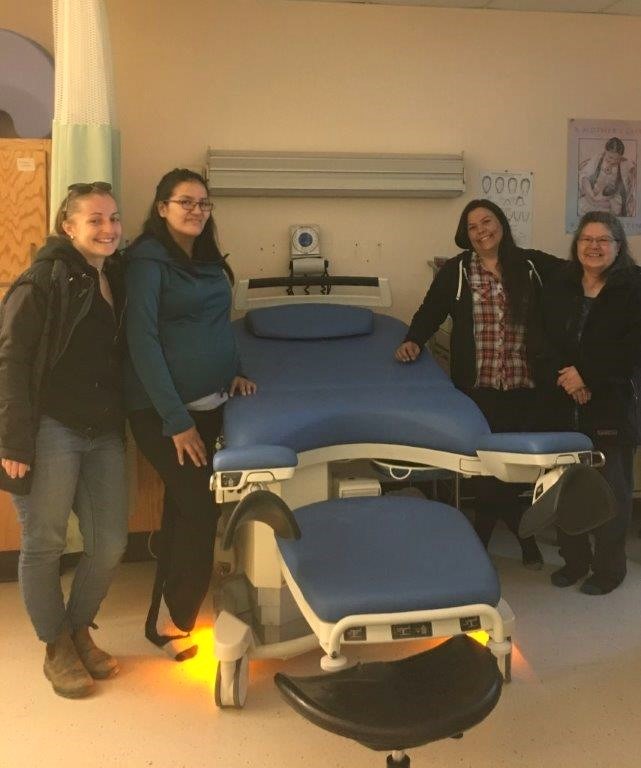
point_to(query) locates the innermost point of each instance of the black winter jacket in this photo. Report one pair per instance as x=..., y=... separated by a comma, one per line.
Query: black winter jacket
x=58, y=281
x=608, y=355
x=450, y=295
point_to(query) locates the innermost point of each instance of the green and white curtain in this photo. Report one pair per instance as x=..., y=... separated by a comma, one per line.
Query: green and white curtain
x=85, y=139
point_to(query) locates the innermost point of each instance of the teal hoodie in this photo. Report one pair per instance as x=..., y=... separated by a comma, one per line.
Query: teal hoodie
x=180, y=340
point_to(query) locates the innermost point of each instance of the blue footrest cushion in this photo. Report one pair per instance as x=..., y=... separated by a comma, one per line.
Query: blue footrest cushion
x=387, y=554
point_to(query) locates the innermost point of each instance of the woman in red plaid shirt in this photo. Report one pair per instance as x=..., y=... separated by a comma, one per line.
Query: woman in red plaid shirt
x=491, y=292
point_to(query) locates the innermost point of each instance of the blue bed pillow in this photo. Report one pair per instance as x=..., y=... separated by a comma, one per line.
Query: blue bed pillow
x=309, y=321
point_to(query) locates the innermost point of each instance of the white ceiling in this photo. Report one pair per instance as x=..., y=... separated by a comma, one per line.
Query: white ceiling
x=618, y=7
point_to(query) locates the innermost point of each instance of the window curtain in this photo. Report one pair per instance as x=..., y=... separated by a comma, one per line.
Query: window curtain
x=85, y=137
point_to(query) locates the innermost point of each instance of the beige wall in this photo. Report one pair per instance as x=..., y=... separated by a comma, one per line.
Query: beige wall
x=271, y=74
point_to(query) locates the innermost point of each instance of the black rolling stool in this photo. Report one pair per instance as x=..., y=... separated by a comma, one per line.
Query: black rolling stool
x=395, y=705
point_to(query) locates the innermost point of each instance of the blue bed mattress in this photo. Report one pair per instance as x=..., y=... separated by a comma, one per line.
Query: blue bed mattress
x=326, y=376
x=353, y=553
x=321, y=391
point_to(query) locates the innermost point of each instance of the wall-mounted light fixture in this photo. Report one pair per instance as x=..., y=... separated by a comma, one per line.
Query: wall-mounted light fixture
x=286, y=174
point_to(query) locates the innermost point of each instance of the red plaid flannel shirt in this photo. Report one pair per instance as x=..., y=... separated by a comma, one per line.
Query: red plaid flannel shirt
x=500, y=343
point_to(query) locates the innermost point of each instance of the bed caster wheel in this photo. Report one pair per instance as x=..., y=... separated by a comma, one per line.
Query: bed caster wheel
x=333, y=663
x=398, y=760
x=232, y=677
x=503, y=653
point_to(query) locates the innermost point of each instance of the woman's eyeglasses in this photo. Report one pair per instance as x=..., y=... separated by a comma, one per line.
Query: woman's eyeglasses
x=86, y=188
x=187, y=204
x=602, y=242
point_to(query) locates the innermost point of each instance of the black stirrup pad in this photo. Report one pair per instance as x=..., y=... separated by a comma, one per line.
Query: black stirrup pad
x=401, y=704
x=262, y=507
x=579, y=502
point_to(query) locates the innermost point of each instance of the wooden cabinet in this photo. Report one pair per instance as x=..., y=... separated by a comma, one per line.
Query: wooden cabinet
x=24, y=207
x=24, y=204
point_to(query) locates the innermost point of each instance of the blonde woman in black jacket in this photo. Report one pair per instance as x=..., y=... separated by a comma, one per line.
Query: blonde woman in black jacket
x=591, y=362
x=491, y=292
x=61, y=429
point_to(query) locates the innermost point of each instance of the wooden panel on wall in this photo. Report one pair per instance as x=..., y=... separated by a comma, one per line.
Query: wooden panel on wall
x=24, y=204
x=9, y=526
x=147, y=503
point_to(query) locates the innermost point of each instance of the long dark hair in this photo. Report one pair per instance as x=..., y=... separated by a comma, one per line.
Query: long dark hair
x=206, y=246
x=514, y=268
x=609, y=220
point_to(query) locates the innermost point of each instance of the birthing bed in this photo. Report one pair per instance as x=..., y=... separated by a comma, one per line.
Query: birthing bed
x=329, y=389
x=364, y=570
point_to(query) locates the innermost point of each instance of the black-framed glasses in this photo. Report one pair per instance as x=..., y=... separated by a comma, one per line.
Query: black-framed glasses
x=602, y=242
x=85, y=188
x=79, y=189
x=188, y=204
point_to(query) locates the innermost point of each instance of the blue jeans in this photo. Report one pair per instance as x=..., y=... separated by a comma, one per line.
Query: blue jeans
x=86, y=474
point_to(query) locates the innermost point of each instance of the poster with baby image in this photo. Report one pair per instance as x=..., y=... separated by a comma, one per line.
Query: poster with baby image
x=602, y=171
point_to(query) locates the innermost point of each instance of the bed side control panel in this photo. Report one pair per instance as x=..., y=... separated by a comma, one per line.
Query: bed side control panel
x=408, y=631
x=227, y=479
x=355, y=634
x=230, y=479
x=470, y=623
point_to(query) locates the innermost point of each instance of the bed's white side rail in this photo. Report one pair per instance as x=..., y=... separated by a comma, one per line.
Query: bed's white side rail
x=384, y=627
x=527, y=467
x=455, y=462
x=378, y=291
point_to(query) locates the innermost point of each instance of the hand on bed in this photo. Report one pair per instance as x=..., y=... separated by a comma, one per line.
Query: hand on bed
x=242, y=386
x=190, y=442
x=407, y=352
x=570, y=379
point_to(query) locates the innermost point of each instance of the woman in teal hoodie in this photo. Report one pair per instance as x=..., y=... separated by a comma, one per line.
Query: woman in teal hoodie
x=182, y=367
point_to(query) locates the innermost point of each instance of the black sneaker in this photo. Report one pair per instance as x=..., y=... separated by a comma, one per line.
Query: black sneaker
x=566, y=577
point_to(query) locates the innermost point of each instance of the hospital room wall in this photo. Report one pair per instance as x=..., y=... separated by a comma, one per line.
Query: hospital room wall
x=279, y=75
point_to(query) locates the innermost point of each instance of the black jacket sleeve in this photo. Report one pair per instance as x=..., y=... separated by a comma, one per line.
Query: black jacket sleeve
x=545, y=264
x=437, y=304
x=608, y=358
x=22, y=318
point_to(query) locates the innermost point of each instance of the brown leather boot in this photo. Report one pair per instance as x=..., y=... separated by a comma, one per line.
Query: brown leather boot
x=98, y=663
x=65, y=670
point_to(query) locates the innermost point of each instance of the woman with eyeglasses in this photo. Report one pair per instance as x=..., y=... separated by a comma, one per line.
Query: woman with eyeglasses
x=61, y=428
x=591, y=362
x=183, y=365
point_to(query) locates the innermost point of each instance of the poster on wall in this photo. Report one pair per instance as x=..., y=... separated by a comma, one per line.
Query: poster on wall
x=602, y=171
x=513, y=191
